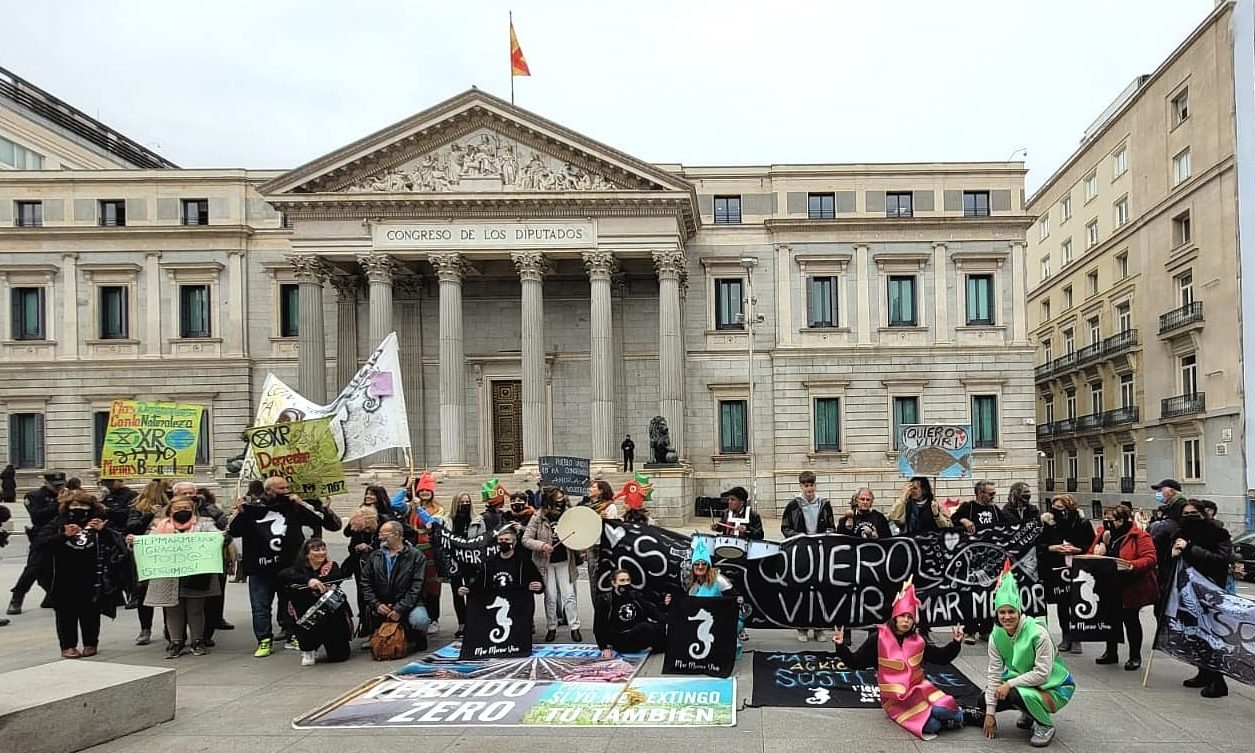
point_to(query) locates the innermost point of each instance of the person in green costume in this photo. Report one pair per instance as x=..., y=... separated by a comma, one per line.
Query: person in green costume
x=1025, y=672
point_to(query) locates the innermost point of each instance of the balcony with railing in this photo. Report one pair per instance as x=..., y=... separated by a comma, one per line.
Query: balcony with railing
x=1188, y=314
x=1183, y=405
x=1126, y=484
x=1050, y=485
x=1103, y=420
x=1120, y=416
x=1095, y=485
x=1098, y=351
x=1071, y=485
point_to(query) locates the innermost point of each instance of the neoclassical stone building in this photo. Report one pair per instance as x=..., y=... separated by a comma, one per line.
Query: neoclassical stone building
x=550, y=295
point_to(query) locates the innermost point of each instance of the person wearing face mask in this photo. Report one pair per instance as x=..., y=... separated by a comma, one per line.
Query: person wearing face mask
x=626, y=620
x=1208, y=549
x=1138, y=586
x=980, y=512
x=306, y=581
x=151, y=501
x=519, y=511
x=41, y=505
x=362, y=530
x=558, y=566
x=183, y=600
x=1019, y=507
x=392, y=585
x=420, y=516
x=507, y=571
x=1065, y=532
x=466, y=524
x=89, y=566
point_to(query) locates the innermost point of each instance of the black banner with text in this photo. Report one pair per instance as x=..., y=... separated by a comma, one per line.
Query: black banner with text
x=498, y=626
x=701, y=637
x=807, y=679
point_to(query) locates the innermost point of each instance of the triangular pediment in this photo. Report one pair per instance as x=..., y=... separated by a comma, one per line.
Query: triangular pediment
x=475, y=143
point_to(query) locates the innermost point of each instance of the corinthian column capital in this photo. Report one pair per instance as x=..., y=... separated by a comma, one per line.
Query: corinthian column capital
x=531, y=265
x=449, y=266
x=309, y=267
x=347, y=287
x=601, y=265
x=378, y=267
x=669, y=264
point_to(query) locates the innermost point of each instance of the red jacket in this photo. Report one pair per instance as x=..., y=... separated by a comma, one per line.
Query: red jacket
x=1140, y=586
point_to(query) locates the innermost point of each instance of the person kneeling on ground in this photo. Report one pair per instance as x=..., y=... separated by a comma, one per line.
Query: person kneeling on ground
x=392, y=585
x=624, y=620
x=1025, y=673
x=898, y=652
x=306, y=581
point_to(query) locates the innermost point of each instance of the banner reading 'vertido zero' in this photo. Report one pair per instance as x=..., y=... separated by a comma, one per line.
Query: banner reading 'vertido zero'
x=150, y=440
x=303, y=452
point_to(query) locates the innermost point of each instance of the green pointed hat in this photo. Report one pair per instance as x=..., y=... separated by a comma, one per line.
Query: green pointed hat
x=1007, y=593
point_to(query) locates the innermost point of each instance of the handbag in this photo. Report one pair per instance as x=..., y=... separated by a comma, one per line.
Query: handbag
x=388, y=642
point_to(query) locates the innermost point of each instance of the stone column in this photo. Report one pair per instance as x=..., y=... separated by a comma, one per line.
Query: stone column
x=348, y=287
x=379, y=269
x=236, y=339
x=670, y=266
x=152, y=305
x=450, y=268
x=601, y=267
x=1019, y=315
x=311, y=365
x=941, y=295
x=410, y=344
x=68, y=336
x=865, y=282
x=532, y=266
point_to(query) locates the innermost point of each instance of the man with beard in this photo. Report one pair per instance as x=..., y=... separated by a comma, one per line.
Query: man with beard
x=624, y=620
x=41, y=506
x=979, y=513
x=1207, y=548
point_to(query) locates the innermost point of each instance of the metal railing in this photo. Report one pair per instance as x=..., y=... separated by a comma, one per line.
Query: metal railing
x=1183, y=405
x=1120, y=416
x=1177, y=318
x=1094, y=352
x=1050, y=485
x=1071, y=485
x=1126, y=485
x=1095, y=485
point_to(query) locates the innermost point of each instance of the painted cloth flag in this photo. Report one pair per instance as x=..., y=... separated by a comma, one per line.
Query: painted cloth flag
x=1207, y=627
x=150, y=440
x=368, y=415
x=518, y=63
x=303, y=452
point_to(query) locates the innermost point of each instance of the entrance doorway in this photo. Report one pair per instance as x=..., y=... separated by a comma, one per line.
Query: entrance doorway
x=507, y=425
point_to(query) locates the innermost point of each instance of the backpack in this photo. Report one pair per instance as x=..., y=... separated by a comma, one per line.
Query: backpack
x=388, y=642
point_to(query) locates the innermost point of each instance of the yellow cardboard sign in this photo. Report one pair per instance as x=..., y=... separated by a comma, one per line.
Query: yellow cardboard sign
x=303, y=452
x=150, y=440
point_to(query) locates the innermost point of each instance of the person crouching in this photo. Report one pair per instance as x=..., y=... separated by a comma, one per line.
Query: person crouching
x=313, y=575
x=626, y=620
x=392, y=585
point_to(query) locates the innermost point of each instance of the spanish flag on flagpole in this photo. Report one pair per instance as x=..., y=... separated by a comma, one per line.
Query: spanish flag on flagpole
x=518, y=63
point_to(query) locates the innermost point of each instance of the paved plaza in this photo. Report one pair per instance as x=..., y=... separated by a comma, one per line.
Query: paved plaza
x=230, y=701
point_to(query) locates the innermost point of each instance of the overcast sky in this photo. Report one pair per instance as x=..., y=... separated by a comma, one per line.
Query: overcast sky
x=276, y=83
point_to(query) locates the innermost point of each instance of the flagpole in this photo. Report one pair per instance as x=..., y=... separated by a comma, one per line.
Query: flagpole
x=511, y=59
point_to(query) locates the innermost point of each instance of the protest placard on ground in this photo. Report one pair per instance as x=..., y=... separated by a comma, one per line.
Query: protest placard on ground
x=570, y=662
x=149, y=440
x=177, y=554
x=819, y=679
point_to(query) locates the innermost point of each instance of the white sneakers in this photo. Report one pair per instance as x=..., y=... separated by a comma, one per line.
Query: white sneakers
x=308, y=658
x=434, y=627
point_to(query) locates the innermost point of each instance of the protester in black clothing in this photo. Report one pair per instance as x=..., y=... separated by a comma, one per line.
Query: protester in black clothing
x=629, y=453
x=1019, y=507
x=392, y=585
x=807, y=512
x=464, y=523
x=41, y=507
x=313, y=575
x=519, y=511
x=117, y=502
x=8, y=485
x=862, y=519
x=362, y=530
x=270, y=530
x=88, y=567
x=979, y=513
x=625, y=620
x=508, y=570
x=916, y=510
x=1208, y=549
x=739, y=520
x=151, y=501
x=1065, y=532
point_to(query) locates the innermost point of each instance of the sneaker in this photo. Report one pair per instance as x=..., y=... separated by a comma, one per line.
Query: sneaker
x=144, y=638
x=4, y=621
x=460, y=631
x=174, y=650
x=973, y=716
x=1133, y=664
x=803, y=636
x=970, y=639
x=199, y=648
x=308, y=658
x=263, y=648
x=15, y=606
x=292, y=644
x=1026, y=721
x=434, y=627
x=1042, y=735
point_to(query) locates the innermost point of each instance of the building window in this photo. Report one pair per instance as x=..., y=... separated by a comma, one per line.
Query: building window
x=732, y=427
x=114, y=312
x=1067, y=297
x=1122, y=265
x=984, y=421
x=1050, y=466
x=1181, y=229
x=1189, y=375
x=100, y=426
x=1065, y=208
x=905, y=412
x=19, y=157
x=1095, y=330
x=1047, y=351
x=975, y=203
x=1181, y=167
x=1096, y=398
x=1048, y=409
x=902, y=301
x=1069, y=342
x=1128, y=461
x=728, y=303
x=28, y=213
x=820, y=206
x=1067, y=251
x=1043, y=227
x=980, y=300
x=1192, y=449
x=1097, y=465
x=1120, y=162
x=1045, y=310
x=29, y=318
x=821, y=303
x=194, y=313
x=1185, y=288
x=1091, y=282
x=113, y=213
x=196, y=211
x=899, y=204
x=289, y=310
x=1069, y=403
x=1124, y=317
x=827, y=424
x=727, y=210
x=1091, y=186
x=1091, y=234
x=1181, y=107
x=1122, y=211
x=1072, y=465
x=26, y=440
x=1045, y=267
x=202, y=442
x=1126, y=390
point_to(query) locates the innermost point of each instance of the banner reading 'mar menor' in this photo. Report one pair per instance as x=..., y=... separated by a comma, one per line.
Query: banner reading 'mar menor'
x=148, y=440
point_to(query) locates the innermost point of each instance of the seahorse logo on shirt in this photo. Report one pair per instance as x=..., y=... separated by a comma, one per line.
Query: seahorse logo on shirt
x=700, y=648
x=278, y=528
x=502, y=607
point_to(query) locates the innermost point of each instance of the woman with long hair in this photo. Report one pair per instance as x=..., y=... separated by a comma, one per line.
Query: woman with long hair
x=917, y=510
x=152, y=500
x=466, y=524
x=183, y=599
x=362, y=530
x=1065, y=532
x=313, y=575
x=558, y=566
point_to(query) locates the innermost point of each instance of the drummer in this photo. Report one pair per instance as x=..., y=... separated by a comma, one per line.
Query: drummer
x=739, y=519
x=558, y=566
x=309, y=582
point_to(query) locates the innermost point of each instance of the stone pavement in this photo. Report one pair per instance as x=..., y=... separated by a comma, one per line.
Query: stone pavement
x=229, y=701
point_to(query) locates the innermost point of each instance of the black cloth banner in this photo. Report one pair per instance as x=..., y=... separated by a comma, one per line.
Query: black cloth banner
x=821, y=680
x=1207, y=627
x=459, y=556
x=1095, y=613
x=568, y=473
x=822, y=580
x=701, y=636
x=498, y=626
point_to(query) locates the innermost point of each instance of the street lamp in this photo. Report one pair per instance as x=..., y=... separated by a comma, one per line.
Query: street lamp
x=748, y=318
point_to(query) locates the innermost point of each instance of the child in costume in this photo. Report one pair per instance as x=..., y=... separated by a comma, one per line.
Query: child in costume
x=1025, y=672
x=898, y=652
